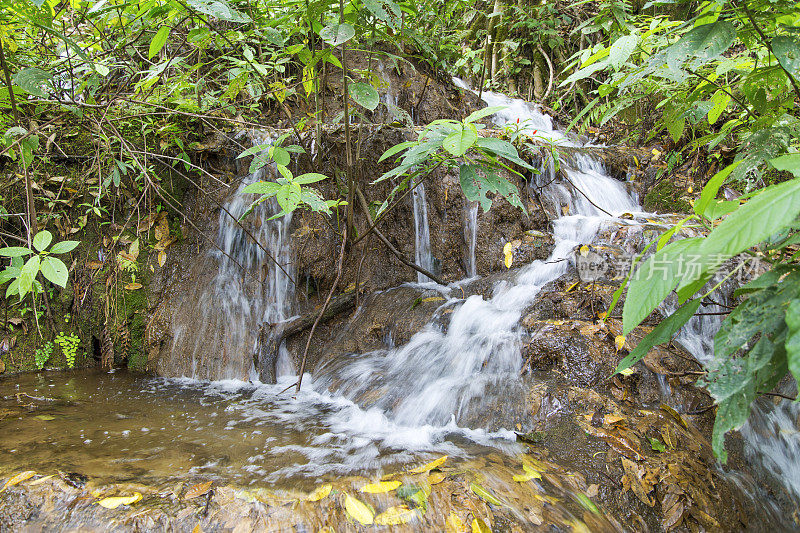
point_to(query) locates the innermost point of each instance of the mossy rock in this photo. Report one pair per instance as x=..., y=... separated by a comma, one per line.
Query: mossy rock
x=665, y=197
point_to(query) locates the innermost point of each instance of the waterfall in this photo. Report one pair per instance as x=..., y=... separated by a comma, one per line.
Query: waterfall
x=216, y=325
x=422, y=234
x=471, y=237
x=468, y=373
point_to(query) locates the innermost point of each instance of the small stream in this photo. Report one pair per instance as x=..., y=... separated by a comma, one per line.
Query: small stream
x=453, y=390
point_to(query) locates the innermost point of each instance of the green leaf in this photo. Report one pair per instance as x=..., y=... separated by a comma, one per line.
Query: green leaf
x=8, y=274
x=654, y=280
x=793, y=340
x=34, y=81
x=660, y=334
x=386, y=10
x=364, y=95
x=27, y=275
x=787, y=51
x=485, y=112
x=280, y=155
x=711, y=189
x=765, y=214
x=42, y=240
x=274, y=36
x=253, y=150
x=622, y=49
x=268, y=188
x=734, y=383
x=485, y=495
x=311, y=177
x=397, y=148
x=706, y=41
x=459, y=142
x=336, y=34
x=289, y=197
x=719, y=102
x=158, y=42
x=55, y=271
x=788, y=163
x=64, y=247
x=763, y=311
x=15, y=251
x=497, y=146
x=219, y=9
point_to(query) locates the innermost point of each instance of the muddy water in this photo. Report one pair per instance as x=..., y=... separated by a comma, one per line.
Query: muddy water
x=123, y=433
x=121, y=427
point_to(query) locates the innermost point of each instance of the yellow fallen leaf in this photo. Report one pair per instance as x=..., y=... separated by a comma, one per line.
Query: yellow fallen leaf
x=433, y=299
x=584, y=250
x=626, y=372
x=197, y=490
x=479, y=526
x=40, y=480
x=436, y=477
x=619, y=341
x=319, y=493
x=133, y=286
x=358, y=510
x=429, y=466
x=531, y=471
x=162, y=258
x=393, y=516
x=197, y=529
x=115, y=501
x=45, y=418
x=454, y=524
x=19, y=478
x=572, y=287
x=381, y=486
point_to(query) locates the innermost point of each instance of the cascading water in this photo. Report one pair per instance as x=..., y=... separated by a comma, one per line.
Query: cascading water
x=216, y=336
x=471, y=237
x=422, y=234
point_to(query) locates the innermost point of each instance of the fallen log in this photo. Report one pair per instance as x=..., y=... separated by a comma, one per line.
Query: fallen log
x=271, y=336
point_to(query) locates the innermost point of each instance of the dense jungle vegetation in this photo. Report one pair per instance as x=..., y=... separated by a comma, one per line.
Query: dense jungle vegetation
x=124, y=89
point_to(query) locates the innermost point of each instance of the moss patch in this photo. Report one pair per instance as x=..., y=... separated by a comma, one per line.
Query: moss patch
x=665, y=197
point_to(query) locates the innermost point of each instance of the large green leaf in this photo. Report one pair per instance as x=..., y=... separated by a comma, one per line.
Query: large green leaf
x=268, y=188
x=475, y=186
x=15, y=251
x=218, y=9
x=711, y=189
x=793, y=340
x=660, y=334
x=789, y=163
x=706, y=42
x=734, y=383
x=42, y=240
x=64, y=247
x=364, y=95
x=27, y=275
x=762, y=312
x=622, y=49
x=386, y=10
x=459, y=142
x=719, y=102
x=336, y=34
x=485, y=112
x=787, y=50
x=765, y=214
x=655, y=279
x=55, y=271
x=35, y=81
x=158, y=42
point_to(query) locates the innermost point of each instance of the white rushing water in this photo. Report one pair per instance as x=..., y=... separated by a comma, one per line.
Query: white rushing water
x=422, y=233
x=216, y=330
x=471, y=237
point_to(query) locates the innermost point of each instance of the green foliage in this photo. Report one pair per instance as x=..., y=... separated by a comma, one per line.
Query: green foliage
x=43, y=354
x=69, y=346
x=22, y=274
x=457, y=144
